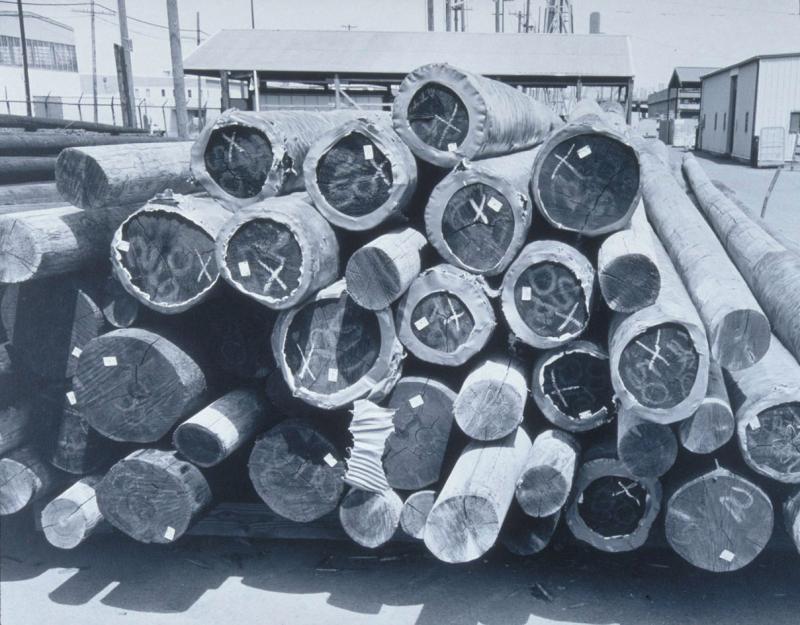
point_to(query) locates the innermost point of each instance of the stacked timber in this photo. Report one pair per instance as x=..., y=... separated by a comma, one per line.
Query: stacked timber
x=530, y=328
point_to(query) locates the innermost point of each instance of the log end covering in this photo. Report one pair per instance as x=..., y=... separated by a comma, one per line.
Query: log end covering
x=769, y=441
x=152, y=496
x=238, y=158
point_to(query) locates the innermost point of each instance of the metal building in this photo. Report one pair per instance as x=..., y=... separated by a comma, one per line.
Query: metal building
x=750, y=111
x=335, y=59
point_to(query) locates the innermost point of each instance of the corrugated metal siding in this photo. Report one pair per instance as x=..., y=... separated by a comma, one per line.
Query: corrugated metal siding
x=745, y=103
x=778, y=95
x=715, y=101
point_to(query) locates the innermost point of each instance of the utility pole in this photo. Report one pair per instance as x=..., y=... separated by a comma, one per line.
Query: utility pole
x=129, y=105
x=448, y=15
x=252, y=15
x=176, y=53
x=94, y=63
x=498, y=10
x=24, y=59
x=430, y=15
x=528, y=16
x=200, y=116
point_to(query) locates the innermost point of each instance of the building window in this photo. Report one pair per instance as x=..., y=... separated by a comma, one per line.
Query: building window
x=703, y=122
x=189, y=91
x=715, y=120
x=41, y=54
x=794, y=122
x=747, y=122
x=163, y=93
x=724, y=121
x=147, y=92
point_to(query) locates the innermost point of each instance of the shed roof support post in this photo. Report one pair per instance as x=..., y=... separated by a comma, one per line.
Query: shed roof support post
x=578, y=89
x=225, y=93
x=629, y=100
x=337, y=88
x=256, y=92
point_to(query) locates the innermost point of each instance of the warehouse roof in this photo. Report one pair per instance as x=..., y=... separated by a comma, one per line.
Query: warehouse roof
x=314, y=54
x=758, y=57
x=682, y=75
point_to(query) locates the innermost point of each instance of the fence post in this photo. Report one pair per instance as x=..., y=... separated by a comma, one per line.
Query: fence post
x=113, y=114
x=8, y=103
x=80, y=112
x=164, y=115
x=46, y=104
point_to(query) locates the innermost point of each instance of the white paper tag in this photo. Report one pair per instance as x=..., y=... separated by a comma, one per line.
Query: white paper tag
x=755, y=424
x=330, y=460
x=368, y=153
x=71, y=398
x=586, y=414
x=726, y=555
x=169, y=533
x=584, y=151
x=244, y=269
x=76, y=351
x=526, y=294
x=123, y=246
x=416, y=401
x=109, y=361
x=421, y=323
x=333, y=375
x=495, y=204
x=452, y=147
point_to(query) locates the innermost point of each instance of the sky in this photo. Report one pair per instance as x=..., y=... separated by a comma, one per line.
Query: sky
x=664, y=33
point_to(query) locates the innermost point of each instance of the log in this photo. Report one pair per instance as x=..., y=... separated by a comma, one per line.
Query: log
x=17, y=423
x=119, y=307
x=78, y=448
x=648, y=449
x=770, y=269
x=40, y=123
x=479, y=215
x=547, y=294
x=583, y=107
x=278, y=252
x=627, y=267
x=153, y=496
x=297, y=470
x=659, y=355
x=54, y=241
x=71, y=517
x=332, y=352
x=220, y=428
x=9, y=389
x=51, y=143
x=378, y=273
x=17, y=169
x=133, y=385
x=415, y=450
x=712, y=425
x=466, y=518
x=360, y=174
x=49, y=322
x=586, y=177
x=445, y=317
x=545, y=482
x=112, y=175
x=445, y=114
x=738, y=330
x=525, y=536
x=24, y=478
x=29, y=193
x=370, y=519
x=791, y=518
x=766, y=402
x=719, y=521
x=491, y=401
x=571, y=386
x=244, y=156
x=164, y=253
x=612, y=510
x=414, y=514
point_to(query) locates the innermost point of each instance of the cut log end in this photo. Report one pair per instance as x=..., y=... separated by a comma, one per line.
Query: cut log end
x=769, y=442
x=438, y=116
x=462, y=528
x=80, y=179
x=168, y=262
x=524, y=535
x=543, y=490
x=588, y=183
x=370, y=519
x=659, y=367
x=492, y=397
x=719, y=522
x=20, y=255
x=415, y=513
x=741, y=339
x=630, y=283
x=551, y=302
x=18, y=485
x=711, y=426
x=373, y=279
x=264, y=257
x=199, y=444
x=648, y=449
x=119, y=308
x=72, y=516
x=297, y=471
x=355, y=176
x=152, y=496
x=478, y=226
x=238, y=158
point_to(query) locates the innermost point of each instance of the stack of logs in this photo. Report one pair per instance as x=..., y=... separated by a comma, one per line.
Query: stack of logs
x=467, y=322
